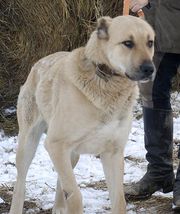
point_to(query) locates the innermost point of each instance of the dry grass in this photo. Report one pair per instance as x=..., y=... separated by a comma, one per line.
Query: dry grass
x=30, y=30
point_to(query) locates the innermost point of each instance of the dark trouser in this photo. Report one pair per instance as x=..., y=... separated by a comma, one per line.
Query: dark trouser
x=158, y=124
x=158, y=132
x=156, y=94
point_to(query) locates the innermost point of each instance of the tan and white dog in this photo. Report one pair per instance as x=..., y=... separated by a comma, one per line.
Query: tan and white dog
x=83, y=99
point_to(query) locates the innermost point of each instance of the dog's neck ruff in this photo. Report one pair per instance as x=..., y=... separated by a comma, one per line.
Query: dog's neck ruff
x=104, y=72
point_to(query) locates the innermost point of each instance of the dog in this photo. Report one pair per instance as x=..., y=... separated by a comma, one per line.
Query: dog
x=83, y=100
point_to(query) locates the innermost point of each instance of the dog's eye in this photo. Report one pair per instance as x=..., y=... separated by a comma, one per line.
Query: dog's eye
x=129, y=44
x=150, y=43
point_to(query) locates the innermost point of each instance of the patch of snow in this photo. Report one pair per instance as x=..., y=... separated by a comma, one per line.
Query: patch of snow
x=1, y=201
x=10, y=110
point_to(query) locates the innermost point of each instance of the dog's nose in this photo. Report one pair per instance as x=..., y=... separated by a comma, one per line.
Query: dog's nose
x=147, y=68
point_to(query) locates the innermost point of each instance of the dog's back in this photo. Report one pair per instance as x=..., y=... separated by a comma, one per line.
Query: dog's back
x=27, y=109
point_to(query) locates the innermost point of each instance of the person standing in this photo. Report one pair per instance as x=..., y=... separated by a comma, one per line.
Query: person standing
x=164, y=16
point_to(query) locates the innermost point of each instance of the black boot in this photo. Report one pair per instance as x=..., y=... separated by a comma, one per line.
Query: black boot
x=176, y=190
x=158, y=128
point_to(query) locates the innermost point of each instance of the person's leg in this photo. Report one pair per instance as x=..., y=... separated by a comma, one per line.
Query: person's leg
x=158, y=128
x=176, y=190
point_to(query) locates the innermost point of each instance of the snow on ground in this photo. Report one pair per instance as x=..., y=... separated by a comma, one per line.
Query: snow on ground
x=41, y=179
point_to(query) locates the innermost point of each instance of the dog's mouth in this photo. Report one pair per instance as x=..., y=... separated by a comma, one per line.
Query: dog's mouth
x=140, y=77
x=129, y=77
x=147, y=79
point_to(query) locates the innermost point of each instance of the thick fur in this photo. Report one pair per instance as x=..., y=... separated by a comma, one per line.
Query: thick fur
x=81, y=112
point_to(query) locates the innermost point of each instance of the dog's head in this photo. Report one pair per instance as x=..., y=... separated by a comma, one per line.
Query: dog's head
x=127, y=43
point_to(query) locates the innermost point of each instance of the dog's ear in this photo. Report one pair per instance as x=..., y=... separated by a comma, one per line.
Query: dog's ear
x=102, y=27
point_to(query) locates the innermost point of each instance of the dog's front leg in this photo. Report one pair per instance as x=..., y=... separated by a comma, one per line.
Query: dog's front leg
x=60, y=200
x=113, y=165
x=60, y=203
x=61, y=159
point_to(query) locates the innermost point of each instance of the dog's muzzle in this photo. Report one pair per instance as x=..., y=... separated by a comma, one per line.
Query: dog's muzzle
x=144, y=73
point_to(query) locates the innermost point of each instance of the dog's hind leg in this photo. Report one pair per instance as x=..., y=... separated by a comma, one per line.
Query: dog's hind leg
x=28, y=140
x=74, y=159
x=113, y=165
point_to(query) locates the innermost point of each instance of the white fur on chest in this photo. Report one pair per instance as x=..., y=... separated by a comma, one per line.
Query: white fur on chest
x=105, y=137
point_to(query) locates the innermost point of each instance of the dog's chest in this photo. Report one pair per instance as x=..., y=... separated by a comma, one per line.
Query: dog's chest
x=107, y=137
x=87, y=131
x=90, y=130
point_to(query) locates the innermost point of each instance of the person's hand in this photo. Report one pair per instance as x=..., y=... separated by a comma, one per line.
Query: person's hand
x=136, y=5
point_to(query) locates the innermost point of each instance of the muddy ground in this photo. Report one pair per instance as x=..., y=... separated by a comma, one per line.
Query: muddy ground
x=154, y=205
